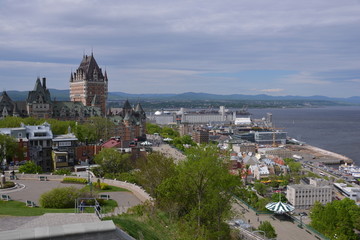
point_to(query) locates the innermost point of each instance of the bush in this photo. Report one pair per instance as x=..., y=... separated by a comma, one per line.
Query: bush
x=75, y=180
x=62, y=172
x=30, y=167
x=60, y=198
x=8, y=185
x=102, y=186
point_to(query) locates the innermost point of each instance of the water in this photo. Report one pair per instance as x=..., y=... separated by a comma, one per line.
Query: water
x=336, y=129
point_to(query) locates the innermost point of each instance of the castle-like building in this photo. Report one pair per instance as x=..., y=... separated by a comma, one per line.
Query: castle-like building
x=89, y=85
x=88, y=96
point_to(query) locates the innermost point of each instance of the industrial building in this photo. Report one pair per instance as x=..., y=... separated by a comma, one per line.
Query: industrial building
x=303, y=196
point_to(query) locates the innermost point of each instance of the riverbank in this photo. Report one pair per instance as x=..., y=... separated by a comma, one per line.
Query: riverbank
x=315, y=154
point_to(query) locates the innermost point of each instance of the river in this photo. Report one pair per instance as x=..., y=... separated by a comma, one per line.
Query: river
x=336, y=129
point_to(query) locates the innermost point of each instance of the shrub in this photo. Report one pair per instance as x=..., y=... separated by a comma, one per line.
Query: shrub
x=75, y=180
x=102, y=186
x=62, y=172
x=60, y=198
x=30, y=167
x=8, y=185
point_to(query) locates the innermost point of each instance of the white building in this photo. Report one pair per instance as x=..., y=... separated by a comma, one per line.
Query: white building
x=350, y=192
x=303, y=196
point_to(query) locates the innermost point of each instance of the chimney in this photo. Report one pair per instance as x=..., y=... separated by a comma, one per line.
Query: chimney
x=44, y=82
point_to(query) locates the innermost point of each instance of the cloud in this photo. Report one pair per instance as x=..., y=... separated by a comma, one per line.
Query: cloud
x=354, y=80
x=163, y=46
x=274, y=90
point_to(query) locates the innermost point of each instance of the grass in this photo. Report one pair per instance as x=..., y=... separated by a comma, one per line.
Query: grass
x=140, y=228
x=15, y=208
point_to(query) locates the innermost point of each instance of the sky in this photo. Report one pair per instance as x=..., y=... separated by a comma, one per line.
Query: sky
x=279, y=48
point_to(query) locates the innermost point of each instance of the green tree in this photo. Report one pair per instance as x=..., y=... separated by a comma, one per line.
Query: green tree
x=336, y=218
x=154, y=170
x=153, y=128
x=201, y=191
x=268, y=229
x=111, y=161
x=30, y=168
x=295, y=167
x=102, y=127
x=278, y=197
x=9, y=148
x=260, y=188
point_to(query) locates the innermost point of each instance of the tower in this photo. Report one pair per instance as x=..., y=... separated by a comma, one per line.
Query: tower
x=89, y=85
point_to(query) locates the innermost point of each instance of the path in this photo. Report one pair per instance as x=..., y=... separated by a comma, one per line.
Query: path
x=285, y=230
x=169, y=151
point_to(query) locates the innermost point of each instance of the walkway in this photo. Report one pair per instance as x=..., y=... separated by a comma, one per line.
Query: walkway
x=285, y=230
x=169, y=151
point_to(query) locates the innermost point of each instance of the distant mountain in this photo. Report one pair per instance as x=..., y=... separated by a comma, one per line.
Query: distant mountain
x=59, y=95
x=63, y=95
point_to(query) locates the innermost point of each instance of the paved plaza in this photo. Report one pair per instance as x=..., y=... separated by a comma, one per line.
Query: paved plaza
x=285, y=230
x=32, y=189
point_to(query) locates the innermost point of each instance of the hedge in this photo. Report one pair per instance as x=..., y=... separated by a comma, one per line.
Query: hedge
x=75, y=180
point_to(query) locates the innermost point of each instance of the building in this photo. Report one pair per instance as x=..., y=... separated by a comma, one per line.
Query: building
x=88, y=96
x=303, y=196
x=268, y=138
x=244, y=148
x=201, y=136
x=38, y=102
x=350, y=192
x=23, y=142
x=64, y=151
x=40, y=144
x=89, y=85
x=130, y=124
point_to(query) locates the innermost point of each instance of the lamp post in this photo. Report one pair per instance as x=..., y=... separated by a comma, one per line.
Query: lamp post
x=89, y=180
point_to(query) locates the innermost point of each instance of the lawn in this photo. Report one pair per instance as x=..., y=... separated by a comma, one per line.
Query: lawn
x=15, y=208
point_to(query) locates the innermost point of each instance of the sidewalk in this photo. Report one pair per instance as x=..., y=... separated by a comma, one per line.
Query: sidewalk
x=285, y=230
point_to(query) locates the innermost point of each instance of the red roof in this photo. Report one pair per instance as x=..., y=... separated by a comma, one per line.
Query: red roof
x=112, y=143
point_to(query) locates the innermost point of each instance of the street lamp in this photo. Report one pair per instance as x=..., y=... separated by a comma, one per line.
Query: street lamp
x=89, y=180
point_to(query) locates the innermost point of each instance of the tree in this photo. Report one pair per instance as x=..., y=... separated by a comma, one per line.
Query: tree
x=154, y=170
x=9, y=149
x=153, y=128
x=260, y=188
x=268, y=229
x=278, y=197
x=30, y=167
x=295, y=167
x=336, y=218
x=111, y=161
x=102, y=127
x=201, y=191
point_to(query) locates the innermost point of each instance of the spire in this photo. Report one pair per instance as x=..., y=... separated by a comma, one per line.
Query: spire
x=127, y=105
x=71, y=77
x=37, y=84
x=139, y=108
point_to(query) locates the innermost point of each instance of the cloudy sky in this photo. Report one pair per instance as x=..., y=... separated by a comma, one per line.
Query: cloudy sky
x=251, y=47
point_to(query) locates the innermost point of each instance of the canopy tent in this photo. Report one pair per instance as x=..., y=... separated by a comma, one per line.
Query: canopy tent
x=279, y=207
